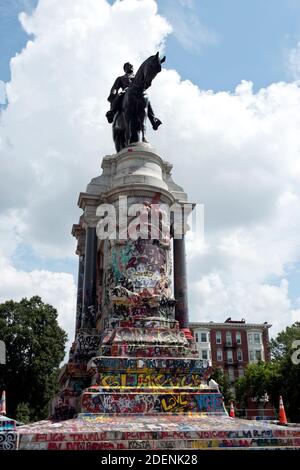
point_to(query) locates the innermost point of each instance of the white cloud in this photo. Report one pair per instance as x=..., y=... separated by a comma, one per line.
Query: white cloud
x=188, y=29
x=56, y=288
x=255, y=302
x=236, y=153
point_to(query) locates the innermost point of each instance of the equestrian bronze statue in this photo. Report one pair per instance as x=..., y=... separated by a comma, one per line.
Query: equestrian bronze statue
x=131, y=107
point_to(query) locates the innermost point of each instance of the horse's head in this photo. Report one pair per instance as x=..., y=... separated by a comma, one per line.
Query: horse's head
x=148, y=70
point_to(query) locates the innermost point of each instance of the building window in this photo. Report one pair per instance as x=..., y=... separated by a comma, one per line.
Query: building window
x=229, y=356
x=256, y=338
x=219, y=355
x=204, y=354
x=239, y=355
x=251, y=355
x=218, y=337
x=196, y=337
x=250, y=338
x=203, y=337
x=238, y=338
x=258, y=355
x=228, y=338
x=241, y=372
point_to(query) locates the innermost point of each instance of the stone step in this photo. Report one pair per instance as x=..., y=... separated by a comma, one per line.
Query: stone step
x=156, y=390
x=164, y=431
x=153, y=350
x=123, y=364
x=151, y=379
x=150, y=322
x=152, y=402
x=157, y=335
x=182, y=444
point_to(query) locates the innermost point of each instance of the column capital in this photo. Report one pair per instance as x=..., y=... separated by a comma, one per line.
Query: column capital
x=90, y=221
x=86, y=199
x=78, y=231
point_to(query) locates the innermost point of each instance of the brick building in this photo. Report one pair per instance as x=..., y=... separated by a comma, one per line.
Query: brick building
x=232, y=345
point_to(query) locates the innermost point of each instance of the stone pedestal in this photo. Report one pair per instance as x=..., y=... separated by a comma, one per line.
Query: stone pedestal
x=133, y=352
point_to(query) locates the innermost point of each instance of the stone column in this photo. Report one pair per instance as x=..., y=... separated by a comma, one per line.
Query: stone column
x=89, y=282
x=79, y=292
x=180, y=283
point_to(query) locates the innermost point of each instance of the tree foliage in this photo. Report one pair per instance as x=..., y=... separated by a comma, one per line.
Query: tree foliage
x=35, y=346
x=23, y=413
x=280, y=376
x=282, y=345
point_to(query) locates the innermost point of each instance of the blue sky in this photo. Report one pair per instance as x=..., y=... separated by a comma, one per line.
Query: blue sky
x=215, y=44
x=250, y=39
x=12, y=36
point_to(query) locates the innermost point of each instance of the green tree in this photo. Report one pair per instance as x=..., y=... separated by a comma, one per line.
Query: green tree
x=223, y=382
x=260, y=378
x=280, y=376
x=281, y=347
x=23, y=413
x=282, y=351
x=35, y=346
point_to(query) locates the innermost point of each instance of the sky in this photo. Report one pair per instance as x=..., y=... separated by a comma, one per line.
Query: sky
x=229, y=99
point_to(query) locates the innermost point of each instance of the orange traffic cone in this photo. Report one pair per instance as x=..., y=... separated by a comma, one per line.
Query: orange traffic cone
x=3, y=404
x=282, y=415
x=231, y=411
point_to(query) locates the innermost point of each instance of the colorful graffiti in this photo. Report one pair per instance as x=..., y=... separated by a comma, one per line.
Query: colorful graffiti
x=160, y=431
x=132, y=403
x=141, y=351
x=160, y=445
x=153, y=336
x=8, y=440
x=137, y=280
x=147, y=363
x=149, y=379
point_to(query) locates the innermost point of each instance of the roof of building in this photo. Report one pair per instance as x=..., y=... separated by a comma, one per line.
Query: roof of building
x=230, y=324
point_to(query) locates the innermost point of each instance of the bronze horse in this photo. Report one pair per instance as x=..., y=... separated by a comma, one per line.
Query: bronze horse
x=129, y=124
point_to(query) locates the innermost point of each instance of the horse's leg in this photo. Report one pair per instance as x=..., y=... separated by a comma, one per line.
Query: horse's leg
x=119, y=132
x=144, y=118
x=115, y=137
x=127, y=122
x=126, y=118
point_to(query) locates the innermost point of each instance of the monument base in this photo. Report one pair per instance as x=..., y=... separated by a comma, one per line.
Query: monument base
x=183, y=431
x=145, y=385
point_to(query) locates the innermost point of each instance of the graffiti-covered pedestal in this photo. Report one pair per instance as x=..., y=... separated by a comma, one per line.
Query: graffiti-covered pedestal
x=133, y=352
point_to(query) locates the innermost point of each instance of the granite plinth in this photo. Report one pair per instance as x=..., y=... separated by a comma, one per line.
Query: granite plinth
x=96, y=432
